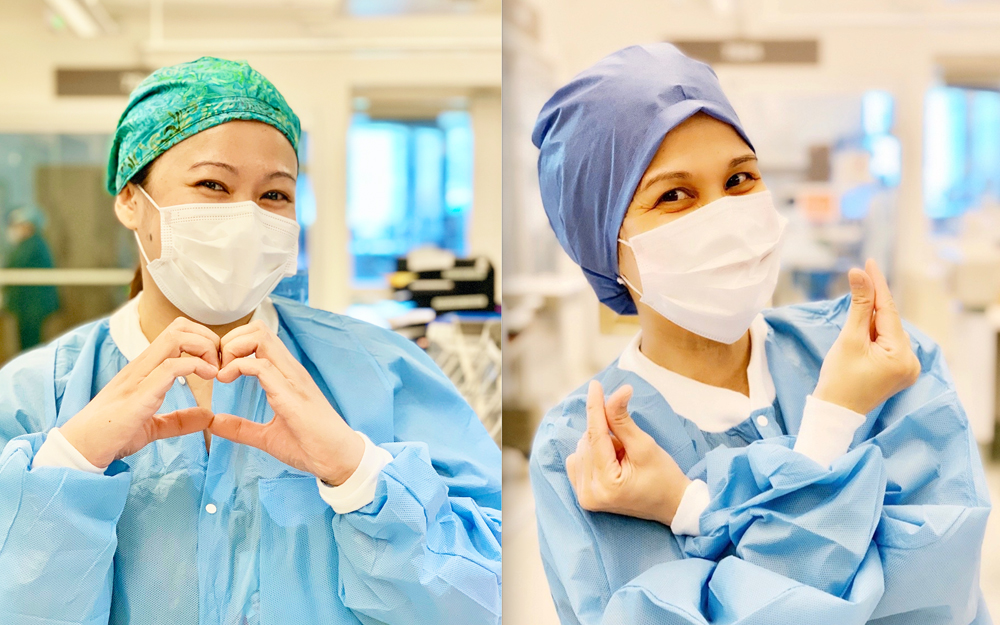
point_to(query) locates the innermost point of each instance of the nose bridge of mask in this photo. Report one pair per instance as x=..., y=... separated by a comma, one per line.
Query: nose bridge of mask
x=721, y=208
x=724, y=231
x=212, y=211
x=728, y=210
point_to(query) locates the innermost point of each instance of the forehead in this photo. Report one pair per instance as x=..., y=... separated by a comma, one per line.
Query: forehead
x=240, y=141
x=700, y=139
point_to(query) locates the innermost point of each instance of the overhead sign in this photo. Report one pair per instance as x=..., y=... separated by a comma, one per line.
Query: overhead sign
x=752, y=51
x=99, y=82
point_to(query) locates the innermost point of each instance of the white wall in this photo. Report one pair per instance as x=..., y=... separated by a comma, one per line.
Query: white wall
x=316, y=58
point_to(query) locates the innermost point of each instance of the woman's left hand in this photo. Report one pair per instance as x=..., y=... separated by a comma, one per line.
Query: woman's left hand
x=619, y=468
x=306, y=432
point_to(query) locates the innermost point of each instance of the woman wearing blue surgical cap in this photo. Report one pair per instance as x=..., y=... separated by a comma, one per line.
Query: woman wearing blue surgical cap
x=805, y=464
x=212, y=455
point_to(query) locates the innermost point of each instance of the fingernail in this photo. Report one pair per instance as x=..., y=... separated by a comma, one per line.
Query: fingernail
x=856, y=280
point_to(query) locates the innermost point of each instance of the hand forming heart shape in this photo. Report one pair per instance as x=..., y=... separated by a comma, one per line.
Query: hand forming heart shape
x=306, y=432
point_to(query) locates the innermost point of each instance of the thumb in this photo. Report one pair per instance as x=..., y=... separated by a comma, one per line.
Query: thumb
x=619, y=420
x=240, y=430
x=179, y=423
x=859, y=317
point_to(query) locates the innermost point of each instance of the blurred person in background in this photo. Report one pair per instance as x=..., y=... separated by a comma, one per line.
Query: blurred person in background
x=210, y=454
x=802, y=464
x=30, y=305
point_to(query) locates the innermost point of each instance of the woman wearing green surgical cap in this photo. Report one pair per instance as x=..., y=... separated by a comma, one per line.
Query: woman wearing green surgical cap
x=213, y=455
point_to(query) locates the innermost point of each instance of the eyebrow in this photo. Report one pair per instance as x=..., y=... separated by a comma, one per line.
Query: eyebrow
x=683, y=175
x=739, y=160
x=230, y=168
x=667, y=175
x=281, y=174
x=225, y=166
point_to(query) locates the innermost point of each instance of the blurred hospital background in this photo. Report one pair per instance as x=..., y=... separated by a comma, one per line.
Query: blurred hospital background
x=877, y=125
x=399, y=181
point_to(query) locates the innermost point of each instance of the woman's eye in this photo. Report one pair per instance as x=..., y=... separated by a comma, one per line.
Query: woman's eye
x=675, y=195
x=276, y=196
x=212, y=185
x=737, y=179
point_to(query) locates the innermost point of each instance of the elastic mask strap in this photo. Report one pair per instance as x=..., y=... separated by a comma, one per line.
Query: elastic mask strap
x=624, y=280
x=142, y=250
x=151, y=201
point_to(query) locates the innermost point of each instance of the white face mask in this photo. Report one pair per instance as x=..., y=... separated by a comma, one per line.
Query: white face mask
x=713, y=270
x=219, y=261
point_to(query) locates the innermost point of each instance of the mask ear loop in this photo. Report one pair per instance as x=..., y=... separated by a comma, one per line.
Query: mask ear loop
x=151, y=201
x=622, y=279
x=142, y=250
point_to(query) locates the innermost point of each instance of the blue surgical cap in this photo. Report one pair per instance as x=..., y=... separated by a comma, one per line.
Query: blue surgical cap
x=597, y=136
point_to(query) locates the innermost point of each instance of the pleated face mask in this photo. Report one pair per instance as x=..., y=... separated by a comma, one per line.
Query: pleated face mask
x=713, y=270
x=219, y=261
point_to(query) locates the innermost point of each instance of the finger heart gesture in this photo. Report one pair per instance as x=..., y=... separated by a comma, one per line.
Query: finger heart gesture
x=619, y=468
x=306, y=432
x=872, y=358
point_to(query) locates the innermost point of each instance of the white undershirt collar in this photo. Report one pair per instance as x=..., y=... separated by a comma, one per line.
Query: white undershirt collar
x=127, y=333
x=711, y=408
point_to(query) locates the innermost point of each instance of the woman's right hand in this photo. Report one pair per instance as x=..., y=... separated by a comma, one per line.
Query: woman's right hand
x=122, y=418
x=619, y=468
x=872, y=359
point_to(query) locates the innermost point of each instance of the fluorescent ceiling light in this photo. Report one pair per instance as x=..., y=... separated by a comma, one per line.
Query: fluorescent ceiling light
x=86, y=18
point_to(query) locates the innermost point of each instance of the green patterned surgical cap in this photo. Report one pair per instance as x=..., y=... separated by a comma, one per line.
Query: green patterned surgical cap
x=179, y=101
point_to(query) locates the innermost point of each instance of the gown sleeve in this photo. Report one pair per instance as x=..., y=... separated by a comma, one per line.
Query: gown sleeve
x=427, y=549
x=57, y=525
x=891, y=531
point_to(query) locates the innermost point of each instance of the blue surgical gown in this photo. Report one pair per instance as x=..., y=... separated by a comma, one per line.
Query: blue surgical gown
x=890, y=534
x=136, y=545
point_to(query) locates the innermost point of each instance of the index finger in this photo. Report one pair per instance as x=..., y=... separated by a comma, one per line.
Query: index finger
x=175, y=340
x=247, y=328
x=597, y=426
x=887, y=319
x=261, y=341
x=183, y=324
x=597, y=423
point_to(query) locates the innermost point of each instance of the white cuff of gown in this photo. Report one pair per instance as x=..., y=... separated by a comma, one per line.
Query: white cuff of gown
x=826, y=431
x=687, y=519
x=358, y=490
x=56, y=451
